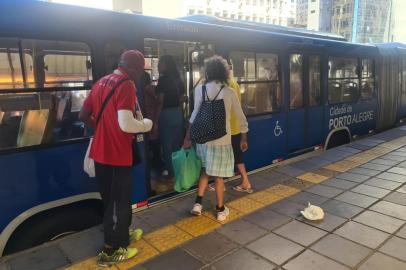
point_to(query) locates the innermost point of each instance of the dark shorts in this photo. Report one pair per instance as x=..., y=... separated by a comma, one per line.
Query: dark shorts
x=238, y=154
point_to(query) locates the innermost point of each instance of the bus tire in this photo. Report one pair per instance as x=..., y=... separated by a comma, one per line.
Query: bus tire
x=48, y=225
x=339, y=137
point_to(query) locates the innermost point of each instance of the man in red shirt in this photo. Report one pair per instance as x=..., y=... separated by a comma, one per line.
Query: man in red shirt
x=111, y=149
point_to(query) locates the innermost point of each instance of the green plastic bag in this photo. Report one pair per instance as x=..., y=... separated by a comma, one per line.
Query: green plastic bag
x=187, y=166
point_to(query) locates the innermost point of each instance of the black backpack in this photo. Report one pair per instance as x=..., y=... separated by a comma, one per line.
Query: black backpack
x=210, y=122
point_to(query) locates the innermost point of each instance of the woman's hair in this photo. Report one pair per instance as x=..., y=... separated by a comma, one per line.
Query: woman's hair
x=170, y=65
x=216, y=69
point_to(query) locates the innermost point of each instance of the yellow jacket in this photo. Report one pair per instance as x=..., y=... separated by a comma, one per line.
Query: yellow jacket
x=234, y=125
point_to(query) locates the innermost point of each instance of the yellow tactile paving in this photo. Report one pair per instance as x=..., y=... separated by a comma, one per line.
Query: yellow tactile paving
x=89, y=264
x=342, y=166
x=282, y=190
x=312, y=177
x=245, y=205
x=297, y=183
x=167, y=237
x=325, y=172
x=264, y=197
x=197, y=226
x=145, y=252
x=234, y=214
x=364, y=158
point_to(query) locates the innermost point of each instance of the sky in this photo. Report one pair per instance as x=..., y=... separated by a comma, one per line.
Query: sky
x=104, y=4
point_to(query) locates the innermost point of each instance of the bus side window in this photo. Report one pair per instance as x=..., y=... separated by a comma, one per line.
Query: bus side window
x=10, y=65
x=296, y=81
x=59, y=74
x=367, y=79
x=404, y=76
x=342, y=80
x=258, y=76
x=314, y=80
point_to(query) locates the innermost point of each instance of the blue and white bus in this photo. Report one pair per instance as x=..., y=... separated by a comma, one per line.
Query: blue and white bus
x=300, y=90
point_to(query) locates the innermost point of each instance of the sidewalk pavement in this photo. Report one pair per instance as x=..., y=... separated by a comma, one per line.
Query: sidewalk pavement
x=360, y=186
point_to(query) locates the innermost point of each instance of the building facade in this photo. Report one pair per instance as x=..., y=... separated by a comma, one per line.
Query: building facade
x=314, y=14
x=365, y=21
x=397, y=27
x=280, y=12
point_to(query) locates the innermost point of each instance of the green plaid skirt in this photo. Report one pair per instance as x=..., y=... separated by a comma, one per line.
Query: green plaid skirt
x=217, y=160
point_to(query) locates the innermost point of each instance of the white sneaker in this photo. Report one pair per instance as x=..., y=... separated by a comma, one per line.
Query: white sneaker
x=221, y=216
x=197, y=209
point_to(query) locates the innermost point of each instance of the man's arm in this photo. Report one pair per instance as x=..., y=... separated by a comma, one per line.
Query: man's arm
x=85, y=116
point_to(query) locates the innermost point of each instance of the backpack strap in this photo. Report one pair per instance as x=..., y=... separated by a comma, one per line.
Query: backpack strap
x=205, y=95
x=106, y=100
x=218, y=92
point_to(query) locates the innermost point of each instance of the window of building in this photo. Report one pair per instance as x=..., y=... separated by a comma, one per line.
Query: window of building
x=258, y=76
x=60, y=78
x=191, y=12
x=296, y=81
x=314, y=80
x=312, y=11
x=367, y=78
x=343, y=80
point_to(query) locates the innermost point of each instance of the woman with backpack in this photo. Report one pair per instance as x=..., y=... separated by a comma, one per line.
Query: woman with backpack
x=210, y=129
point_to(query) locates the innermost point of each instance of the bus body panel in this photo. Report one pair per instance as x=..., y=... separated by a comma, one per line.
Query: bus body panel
x=270, y=145
x=296, y=129
x=314, y=126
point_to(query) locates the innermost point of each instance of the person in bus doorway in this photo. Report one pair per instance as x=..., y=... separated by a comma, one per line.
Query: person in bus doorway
x=217, y=155
x=169, y=118
x=245, y=185
x=115, y=126
x=149, y=108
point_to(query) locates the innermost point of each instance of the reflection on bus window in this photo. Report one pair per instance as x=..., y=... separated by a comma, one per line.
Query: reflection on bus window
x=367, y=79
x=258, y=76
x=314, y=80
x=404, y=76
x=296, y=81
x=343, y=80
x=44, y=115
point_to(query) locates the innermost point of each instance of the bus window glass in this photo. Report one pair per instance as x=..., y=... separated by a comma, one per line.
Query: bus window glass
x=367, y=79
x=296, y=81
x=314, y=80
x=43, y=117
x=67, y=70
x=267, y=67
x=258, y=76
x=112, y=53
x=243, y=65
x=10, y=65
x=343, y=80
x=57, y=63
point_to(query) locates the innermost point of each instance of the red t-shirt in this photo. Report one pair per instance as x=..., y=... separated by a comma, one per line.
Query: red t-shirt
x=111, y=145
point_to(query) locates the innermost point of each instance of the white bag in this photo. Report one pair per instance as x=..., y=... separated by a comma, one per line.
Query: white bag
x=88, y=163
x=313, y=212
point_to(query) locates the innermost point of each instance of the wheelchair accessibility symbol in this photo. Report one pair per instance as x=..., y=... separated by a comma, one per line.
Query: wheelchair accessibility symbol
x=277, y=130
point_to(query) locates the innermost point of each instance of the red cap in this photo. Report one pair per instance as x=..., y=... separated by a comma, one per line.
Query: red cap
x=133, y=58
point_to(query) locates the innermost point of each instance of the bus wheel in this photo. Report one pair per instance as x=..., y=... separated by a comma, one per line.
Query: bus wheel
x=54, y=224
x=338, y=138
